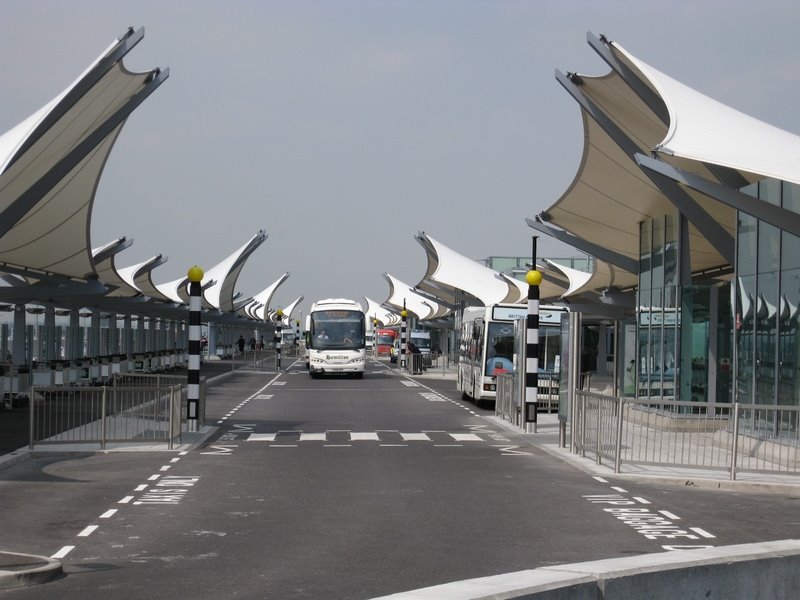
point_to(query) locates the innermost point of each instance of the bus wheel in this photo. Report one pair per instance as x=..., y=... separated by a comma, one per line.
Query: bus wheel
x=359, y=375
x=465, y=397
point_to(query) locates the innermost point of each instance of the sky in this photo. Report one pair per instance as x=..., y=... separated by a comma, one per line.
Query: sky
x=343, y=128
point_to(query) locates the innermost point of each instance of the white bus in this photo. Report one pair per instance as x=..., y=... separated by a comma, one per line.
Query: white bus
x=487, y=346
x=306, y=340
x=336, y=338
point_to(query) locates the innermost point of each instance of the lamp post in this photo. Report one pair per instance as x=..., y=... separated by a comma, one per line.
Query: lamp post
x=404, y=316
x=375, y=336
x=195, y=275
x=534, y=278
x=297, y=337
x=277, y=338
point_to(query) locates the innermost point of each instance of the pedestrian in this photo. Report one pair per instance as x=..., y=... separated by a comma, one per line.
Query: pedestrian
x=252, y=343
x=240, y=343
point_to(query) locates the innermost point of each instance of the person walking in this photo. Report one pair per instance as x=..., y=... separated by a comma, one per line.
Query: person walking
x=240, y=343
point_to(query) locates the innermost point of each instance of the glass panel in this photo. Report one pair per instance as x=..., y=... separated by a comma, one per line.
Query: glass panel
x=768, y=246
x=766, y=331
x=500, y=347
x=746, y=244
x=628, y=362
x=644, y=263
x=550, y=349
x=724, y=344
x=671, y=251
x=337, y=329
x=790, y=251
x=644, y=361
x=769, y=190
x=791, y=196
x=657, y=268
x=694, y=344
x=744, y=324
x=789, y=385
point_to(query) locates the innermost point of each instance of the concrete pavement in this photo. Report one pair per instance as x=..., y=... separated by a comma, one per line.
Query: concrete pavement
x=20, y=570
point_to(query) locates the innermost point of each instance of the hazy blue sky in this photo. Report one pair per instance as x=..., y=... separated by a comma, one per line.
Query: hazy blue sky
x=342, y=128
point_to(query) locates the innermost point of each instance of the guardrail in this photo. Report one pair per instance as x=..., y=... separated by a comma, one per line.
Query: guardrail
x=508, y=402
x=732, y=437
x=159, y=380
x=105, y=414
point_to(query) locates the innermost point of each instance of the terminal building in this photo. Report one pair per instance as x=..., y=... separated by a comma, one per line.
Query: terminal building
x=695, y=206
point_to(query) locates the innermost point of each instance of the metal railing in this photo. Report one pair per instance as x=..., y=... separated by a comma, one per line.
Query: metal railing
x=732, y=437
x=506, y=404
x=159, y=380
x=510, y=393
x=136, y=407
x=105, y=414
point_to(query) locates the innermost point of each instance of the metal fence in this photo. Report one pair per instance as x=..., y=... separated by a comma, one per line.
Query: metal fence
x=160, y=380
x=732, y=437
x=510, y=395
x=136, y=407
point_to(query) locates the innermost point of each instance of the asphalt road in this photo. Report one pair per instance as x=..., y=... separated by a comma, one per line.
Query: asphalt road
x=344, y=488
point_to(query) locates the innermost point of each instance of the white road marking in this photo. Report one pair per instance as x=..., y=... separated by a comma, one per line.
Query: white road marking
x=512, y=451
x=164, y=468
x=619, y=489
x=466, y=437
x=261, y=437
x=641, y=500
x=153, y=477
x=669, y=515
x=125, y=500
x=140, y=488
x=600, y=479
x=174, y=460
x=415, y=437
x=363, y=436
x=702, y=532
x=109, y=513
x=88, y=531
x=63, y=552
x=313, y=437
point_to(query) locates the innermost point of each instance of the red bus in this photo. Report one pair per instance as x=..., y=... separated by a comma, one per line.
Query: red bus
x=384, y=341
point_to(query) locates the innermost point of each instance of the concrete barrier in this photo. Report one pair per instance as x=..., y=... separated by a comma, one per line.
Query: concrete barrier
x=743, y=572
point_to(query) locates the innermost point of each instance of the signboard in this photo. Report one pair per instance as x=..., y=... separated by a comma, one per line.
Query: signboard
x=512, y=313
x=509, y=313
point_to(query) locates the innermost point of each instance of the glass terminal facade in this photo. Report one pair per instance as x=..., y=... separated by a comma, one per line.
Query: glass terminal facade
x=766, y=302
x=693, y=341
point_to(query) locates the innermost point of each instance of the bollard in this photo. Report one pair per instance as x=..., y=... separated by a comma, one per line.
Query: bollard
x=534, y=278
x=195, y=275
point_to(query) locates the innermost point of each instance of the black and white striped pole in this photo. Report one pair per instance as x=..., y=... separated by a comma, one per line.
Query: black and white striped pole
x=533, y=278
x=277, y=338
x=195, y=275
x=402, y=360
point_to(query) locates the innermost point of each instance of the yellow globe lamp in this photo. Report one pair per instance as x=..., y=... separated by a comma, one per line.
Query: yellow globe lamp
x=533, y=278
x=195, y=274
